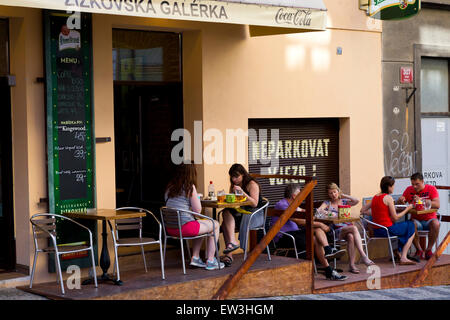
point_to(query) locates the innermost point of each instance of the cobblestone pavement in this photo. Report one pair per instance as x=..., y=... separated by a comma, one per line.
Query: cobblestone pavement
x=16, y=294
x=422, y=293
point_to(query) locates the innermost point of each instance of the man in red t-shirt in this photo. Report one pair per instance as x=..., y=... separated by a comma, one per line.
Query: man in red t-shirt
x=426, y=221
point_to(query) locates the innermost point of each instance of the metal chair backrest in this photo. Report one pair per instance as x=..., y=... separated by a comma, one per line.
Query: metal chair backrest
x=128, y=224
x=170, y=218
x=44, y=225
x=133, y=223
x=264, y=209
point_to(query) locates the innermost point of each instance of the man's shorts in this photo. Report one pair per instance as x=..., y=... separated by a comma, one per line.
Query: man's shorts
x=423, y=225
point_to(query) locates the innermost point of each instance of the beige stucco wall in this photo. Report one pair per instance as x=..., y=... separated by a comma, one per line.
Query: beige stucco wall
x=228, y=78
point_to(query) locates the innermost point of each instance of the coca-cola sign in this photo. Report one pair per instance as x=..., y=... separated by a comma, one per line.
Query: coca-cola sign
x=295, y=17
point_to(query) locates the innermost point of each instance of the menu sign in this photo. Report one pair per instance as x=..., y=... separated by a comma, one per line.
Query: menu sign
x=69, y=119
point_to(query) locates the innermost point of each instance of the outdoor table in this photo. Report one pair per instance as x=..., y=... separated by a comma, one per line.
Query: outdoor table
x=336, y=220
x=214, y=204
x=414, y=211
x=105, y=215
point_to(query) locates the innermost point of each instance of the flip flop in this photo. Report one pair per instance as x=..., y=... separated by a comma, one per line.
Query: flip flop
x=407, y=263
x=233, y=248
x=226, y=260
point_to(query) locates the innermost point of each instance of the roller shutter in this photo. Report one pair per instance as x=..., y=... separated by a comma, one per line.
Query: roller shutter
x=308, y=147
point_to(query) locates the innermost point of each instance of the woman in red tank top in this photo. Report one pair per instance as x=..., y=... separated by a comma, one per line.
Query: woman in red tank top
x=384, y=214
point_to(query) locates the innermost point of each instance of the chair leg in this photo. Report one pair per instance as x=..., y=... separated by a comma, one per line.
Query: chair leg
x=93, y=267
x=188, y=249
x=246, y=245
x=182, y=255
x=162, y=261
x=114, y=266
x=116, y=259
x=56, y=269
x=164, y=251
x=267, y=248
x=60, y=273
x=143, y=257
x=34, y=268
x=392, y=252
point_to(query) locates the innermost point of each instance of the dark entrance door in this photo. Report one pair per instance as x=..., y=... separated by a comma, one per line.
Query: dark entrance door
x=7, y=243
x=148, y=107
x=145, y=117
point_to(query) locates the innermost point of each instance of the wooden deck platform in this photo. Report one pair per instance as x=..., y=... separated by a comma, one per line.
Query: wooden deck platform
x=398, y=277
x=279, y=277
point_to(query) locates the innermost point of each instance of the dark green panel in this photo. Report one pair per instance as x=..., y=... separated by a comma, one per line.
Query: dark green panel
x=68, y=64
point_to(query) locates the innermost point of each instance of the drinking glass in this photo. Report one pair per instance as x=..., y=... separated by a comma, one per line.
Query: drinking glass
x=427, y=204
x=221, y=195
x=239, y=195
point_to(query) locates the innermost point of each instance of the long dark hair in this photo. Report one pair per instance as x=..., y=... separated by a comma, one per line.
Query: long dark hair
x=184, y=178
x=385, y=183
x=238, y=169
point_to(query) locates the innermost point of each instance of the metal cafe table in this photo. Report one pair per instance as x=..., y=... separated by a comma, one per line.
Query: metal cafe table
x=105, y=215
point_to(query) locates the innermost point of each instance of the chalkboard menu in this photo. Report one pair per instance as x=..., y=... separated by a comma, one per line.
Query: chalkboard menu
x=68, y=59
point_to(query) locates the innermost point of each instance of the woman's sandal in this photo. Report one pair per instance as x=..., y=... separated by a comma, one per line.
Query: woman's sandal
x=229, y=249
x=226, y=260
x=354, y=270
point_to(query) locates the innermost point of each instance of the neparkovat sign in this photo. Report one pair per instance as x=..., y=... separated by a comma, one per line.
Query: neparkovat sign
x=197, y=10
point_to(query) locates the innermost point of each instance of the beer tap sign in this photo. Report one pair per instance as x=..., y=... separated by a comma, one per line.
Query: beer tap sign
x=393, y=9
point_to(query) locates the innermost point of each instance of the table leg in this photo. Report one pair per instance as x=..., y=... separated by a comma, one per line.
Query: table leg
x=105, y=261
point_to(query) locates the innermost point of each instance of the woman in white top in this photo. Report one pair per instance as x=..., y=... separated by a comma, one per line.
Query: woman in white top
x=345, y=231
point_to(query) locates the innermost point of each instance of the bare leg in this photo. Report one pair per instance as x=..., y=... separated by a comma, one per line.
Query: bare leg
x=405, y=250
x=321, y=237
x=320, y=253
x=357, y=242
x=196, y=245
x=434, y=233
x=206, y=226
x=228, y=226
x=351, y=250
x=416, y=241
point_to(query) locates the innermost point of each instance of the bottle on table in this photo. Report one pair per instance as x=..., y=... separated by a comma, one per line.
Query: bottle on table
x=211, y=191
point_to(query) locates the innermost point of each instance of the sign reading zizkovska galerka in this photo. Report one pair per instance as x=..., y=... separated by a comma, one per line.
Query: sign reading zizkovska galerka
x=393, y=9
x=307, y=16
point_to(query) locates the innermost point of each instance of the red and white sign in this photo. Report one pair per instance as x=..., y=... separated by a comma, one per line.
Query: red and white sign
x=406, y=75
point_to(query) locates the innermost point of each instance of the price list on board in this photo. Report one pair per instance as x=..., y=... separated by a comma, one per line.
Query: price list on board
x=69, y=112
x=68, y=61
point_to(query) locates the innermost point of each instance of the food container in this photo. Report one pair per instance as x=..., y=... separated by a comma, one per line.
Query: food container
x=231, y=197
x=344, y=211
x=419, y=205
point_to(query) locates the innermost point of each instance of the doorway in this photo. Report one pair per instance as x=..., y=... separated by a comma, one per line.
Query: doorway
x=7, y=242
x=148, y=107
x=435, y=129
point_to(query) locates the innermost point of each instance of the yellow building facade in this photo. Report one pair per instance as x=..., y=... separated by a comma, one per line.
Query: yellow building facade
x=228, y=77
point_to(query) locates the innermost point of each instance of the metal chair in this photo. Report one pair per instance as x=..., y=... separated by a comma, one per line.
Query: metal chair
x=136, y=225
x=44, y=226
x=170, y=218
x=370, y=238
x=338, y=243
x=263, y=209
x=424, y=233
x=297, y=254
